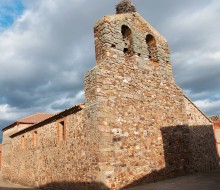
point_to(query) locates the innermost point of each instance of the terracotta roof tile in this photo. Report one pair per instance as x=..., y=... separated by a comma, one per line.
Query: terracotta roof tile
x=35, y=118
x=32, y=119
x=62, y=114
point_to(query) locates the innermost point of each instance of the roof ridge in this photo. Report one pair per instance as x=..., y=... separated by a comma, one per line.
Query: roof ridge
x=197, y=108
x=41, y=113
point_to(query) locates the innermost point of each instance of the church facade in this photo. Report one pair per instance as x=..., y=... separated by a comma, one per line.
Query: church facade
x=136, y=124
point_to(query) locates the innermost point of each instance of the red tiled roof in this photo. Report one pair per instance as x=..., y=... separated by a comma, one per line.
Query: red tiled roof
x=216, y=120
x=62, y=114
x=32, y=119
x=35, y=118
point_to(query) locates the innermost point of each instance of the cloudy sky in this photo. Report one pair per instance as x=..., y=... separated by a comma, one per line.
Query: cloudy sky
x=46, y=47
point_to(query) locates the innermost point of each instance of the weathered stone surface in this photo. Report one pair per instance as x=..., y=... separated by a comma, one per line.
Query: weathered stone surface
x=6, y=146
x=135, y=98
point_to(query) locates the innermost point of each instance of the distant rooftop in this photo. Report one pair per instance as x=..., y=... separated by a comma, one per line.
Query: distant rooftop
x=214, y=117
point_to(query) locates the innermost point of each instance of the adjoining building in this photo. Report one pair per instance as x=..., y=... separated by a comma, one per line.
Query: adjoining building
x=216, y=121
x=15, y=127
x=217, y=135
x=0, y=157
x=136, y=124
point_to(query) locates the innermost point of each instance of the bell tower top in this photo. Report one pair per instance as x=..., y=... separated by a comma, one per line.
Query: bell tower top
x=125, y=6
x=126, y=36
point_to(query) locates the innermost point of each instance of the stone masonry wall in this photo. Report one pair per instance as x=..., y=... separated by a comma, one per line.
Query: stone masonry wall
x=53, y=164
x=133, y=98
x=6, y=146
x=187, y=149
x=204, y=156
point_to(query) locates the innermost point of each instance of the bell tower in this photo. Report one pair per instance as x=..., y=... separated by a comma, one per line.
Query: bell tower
x=127, y=35
x=130, y=95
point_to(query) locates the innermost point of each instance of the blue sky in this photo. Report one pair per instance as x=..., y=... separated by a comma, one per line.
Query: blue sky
x=10, y=10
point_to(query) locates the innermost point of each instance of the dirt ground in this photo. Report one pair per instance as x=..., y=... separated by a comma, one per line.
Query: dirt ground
x=205, y=181
x=4, y=185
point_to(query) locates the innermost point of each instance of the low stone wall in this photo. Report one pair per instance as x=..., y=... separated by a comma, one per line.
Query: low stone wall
x=51, y=163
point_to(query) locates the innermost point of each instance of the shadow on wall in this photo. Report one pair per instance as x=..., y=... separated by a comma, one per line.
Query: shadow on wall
x=187, y=150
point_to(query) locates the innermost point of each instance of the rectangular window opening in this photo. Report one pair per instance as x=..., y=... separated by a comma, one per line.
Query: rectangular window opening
x=22, y=142
x=61, y=131
x=35, y=139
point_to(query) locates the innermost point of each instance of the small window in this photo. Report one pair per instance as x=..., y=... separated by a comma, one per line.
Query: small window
x=152, y=47
x=22, y=142
x=35, y=138
x=127, y=40
x=61, y=131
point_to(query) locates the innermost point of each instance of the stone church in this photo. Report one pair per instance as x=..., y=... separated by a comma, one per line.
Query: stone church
x=135, y=126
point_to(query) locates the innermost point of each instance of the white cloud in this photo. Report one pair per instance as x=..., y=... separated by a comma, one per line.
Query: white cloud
x=214, y=55
x=209, y=105
x=8, y=113
x=195, y=53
